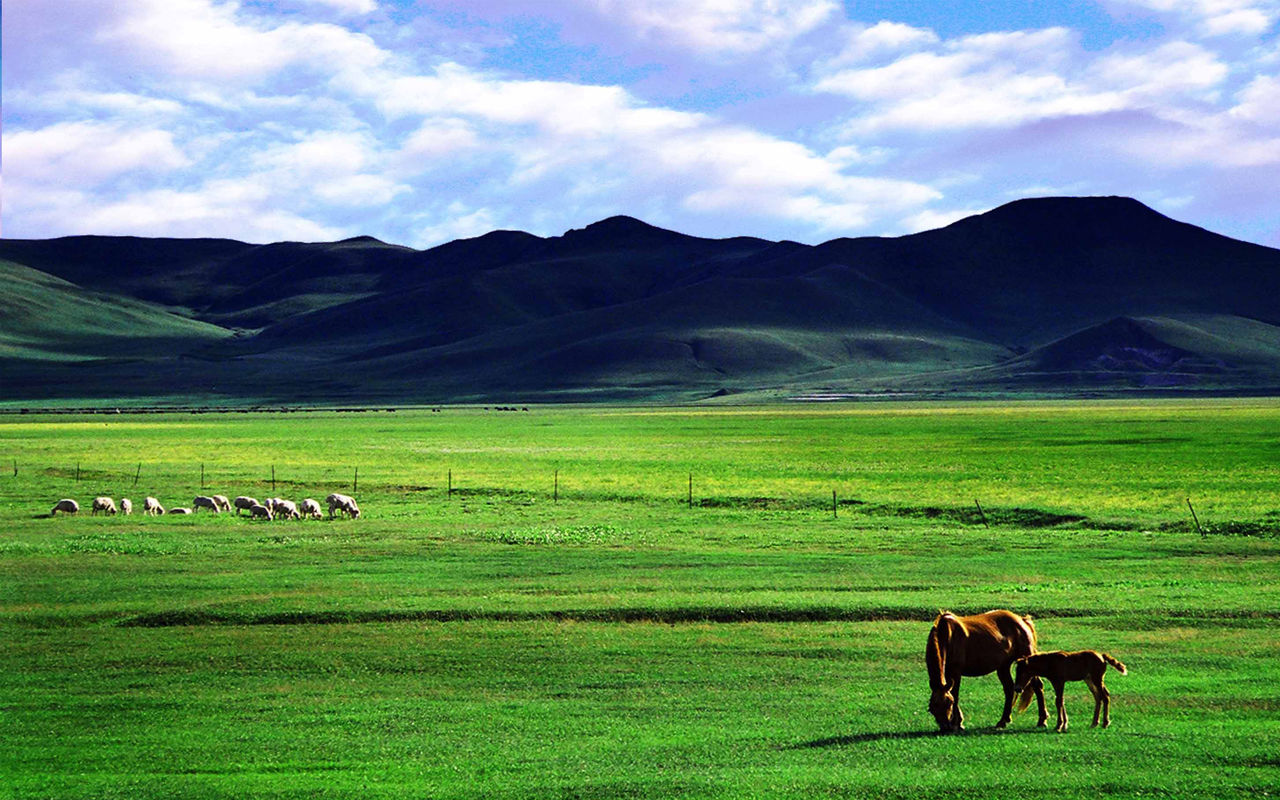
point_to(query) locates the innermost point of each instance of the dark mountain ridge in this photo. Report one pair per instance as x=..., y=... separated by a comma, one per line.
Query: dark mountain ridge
x=1043, y=295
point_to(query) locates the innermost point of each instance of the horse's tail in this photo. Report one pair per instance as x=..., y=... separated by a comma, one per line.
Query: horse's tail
x=1115, y=663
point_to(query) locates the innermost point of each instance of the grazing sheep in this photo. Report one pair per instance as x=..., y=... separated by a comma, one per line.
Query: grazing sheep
x=259, y=510
x=152, y=507
x=126, y=506
x=66, y=507
x=205, y=502
x=179, y=511
x=286, y=509
x=243, y=503
x=104, y=504
x=341, y=502
x=223, y=503
x=310, y=508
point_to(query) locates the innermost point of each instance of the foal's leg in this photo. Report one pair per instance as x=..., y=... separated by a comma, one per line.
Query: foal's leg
x=1097, y=690
x=1006, y=680
x=1059, y=692
x=1037, y=685
x=1106, y=703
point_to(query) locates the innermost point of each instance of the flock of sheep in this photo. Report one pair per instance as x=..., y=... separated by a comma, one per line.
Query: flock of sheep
x=273, y=508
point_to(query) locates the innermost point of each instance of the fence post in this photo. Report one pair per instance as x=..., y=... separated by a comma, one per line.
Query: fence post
x=835, y=509
x=137, y=474
x=1194, y=517
x=690, y=490
x=273, y=478
x=555, y=496
x=981, y=513
x=355, y=482
x=450, y=483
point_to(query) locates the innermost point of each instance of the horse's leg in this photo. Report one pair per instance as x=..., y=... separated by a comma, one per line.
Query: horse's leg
x=1059, y=692
x=1106, y=703
x=1096, y=690
x=1006, y=680
x=956, y=716
x=1038, y=686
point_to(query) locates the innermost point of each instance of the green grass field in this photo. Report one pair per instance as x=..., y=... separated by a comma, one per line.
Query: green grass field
x=565, y=623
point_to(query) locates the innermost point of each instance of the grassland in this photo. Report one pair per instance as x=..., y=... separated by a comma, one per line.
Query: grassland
x=565, y=623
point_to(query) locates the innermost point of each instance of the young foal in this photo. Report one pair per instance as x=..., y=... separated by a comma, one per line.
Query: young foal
x=1059, y=667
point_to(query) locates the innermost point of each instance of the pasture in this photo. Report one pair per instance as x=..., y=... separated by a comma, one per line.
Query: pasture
x=636, y=602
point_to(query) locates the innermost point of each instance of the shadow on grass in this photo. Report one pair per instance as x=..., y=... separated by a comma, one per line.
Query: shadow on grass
x=867, y=738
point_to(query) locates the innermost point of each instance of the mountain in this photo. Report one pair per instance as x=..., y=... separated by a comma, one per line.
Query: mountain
x=1046, y=295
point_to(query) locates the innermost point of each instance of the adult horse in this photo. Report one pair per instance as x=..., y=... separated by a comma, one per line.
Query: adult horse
x=973, y=646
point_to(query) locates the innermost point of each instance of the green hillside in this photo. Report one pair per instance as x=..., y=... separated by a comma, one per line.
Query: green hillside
x=1049, y=295
x=48, y=318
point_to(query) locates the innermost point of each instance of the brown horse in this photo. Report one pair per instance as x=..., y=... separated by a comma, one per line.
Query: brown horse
x=973, y=646
x=1059, y=667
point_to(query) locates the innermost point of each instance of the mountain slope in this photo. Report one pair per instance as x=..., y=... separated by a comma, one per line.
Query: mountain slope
x=1041, y=295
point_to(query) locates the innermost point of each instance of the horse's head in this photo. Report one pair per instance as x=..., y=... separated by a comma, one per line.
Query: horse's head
x=942, y=705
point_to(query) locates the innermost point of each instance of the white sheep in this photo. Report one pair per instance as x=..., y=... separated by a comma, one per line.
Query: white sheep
x=179, y=511
x=259, y=510
x=286, y=509
x=126, y=506
x=202, y=501
x=345, y=504
x=152, y=507
x=66, y=506
x=243, y=503
x=104, y=504
x=223, y=503
x=310, y=508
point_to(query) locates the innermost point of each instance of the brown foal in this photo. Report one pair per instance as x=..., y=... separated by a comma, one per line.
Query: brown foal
x=1058, y=667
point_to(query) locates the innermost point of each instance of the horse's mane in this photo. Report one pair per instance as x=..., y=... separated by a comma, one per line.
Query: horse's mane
x=941, y=640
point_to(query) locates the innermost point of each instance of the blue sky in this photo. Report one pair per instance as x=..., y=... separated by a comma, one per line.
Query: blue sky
x=421, y=121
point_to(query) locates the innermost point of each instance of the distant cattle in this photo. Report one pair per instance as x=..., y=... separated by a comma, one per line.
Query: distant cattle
x=202, y=501
x=243, y=503
x=66, y=506
x=152, y=507
x=104, y=505
x=126, y=506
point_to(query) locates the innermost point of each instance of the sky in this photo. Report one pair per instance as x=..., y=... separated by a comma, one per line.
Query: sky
x=423, y=121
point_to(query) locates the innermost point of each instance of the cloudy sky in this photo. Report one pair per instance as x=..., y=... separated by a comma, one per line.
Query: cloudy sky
x=421, y=121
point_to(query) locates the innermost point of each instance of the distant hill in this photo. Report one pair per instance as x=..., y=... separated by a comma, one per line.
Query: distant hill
x=1043, y=296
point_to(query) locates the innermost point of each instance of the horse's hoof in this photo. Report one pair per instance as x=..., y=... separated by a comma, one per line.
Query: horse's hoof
x=1044, y=723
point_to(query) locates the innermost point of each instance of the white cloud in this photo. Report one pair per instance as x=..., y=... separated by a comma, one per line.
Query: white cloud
x=883, y=38
x=989, y=80
x=1209, y=17
x=1003, y=80
x=345, y=7
x=732, y=27
x=88, y=153
x=201, y=42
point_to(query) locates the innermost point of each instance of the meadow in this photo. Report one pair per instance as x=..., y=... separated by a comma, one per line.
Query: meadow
x=636, y=602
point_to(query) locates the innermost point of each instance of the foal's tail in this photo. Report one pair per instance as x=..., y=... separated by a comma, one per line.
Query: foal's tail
x=1115, y=663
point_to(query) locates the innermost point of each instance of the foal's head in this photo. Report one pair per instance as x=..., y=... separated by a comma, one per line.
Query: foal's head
x=1022, y=674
